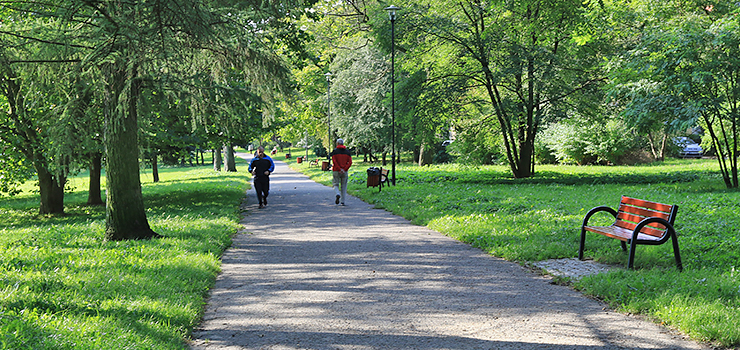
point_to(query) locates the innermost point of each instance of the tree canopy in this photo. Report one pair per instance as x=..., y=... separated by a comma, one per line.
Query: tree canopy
x=85, y=80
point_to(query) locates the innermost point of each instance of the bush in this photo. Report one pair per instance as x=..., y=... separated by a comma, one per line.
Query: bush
x=442, y=157
x=574, y=141
x=542, y=153
x=320, y=151
x=567, y=142
x=477, y=146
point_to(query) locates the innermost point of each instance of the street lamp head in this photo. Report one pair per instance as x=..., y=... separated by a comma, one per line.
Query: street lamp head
x=327, y=75
x=392, y=11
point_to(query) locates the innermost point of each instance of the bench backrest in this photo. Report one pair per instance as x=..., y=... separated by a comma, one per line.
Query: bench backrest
x=632, y=211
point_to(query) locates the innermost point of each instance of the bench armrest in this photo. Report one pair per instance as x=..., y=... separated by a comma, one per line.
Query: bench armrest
x=596, y=210
x=669, y=230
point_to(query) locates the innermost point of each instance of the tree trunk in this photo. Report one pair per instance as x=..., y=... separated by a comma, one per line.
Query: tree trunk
x=425, y=155
x=125, y=213
x=663, y=145
x=416, y=152
x=155, y=167
x=51, y=191
x=525, y=166
x=217, y=161
x=657, y=151
x=94, y=196
x=230, y=161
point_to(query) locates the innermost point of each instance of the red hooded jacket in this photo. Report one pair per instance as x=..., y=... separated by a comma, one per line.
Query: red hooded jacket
x=342, y=158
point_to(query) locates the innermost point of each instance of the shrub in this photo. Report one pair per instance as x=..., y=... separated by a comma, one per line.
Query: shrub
x=477, y=146
x=567, y=142
x=574, y=141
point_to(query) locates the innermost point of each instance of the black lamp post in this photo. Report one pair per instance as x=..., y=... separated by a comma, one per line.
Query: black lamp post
x=392, y=14
x=328, y=111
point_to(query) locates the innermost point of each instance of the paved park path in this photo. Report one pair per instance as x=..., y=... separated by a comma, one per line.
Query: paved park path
x=308, y=274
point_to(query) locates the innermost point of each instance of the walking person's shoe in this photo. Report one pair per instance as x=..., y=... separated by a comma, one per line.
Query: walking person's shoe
x=261, y=206
x=336, y=201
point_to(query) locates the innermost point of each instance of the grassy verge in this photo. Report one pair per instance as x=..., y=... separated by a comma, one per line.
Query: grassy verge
x=63, y=287
x=539, y=218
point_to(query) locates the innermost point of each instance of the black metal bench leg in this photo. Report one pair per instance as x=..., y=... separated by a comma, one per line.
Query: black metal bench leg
x=676, y=253
x=631, y=261
x=583, y=244
x=624, y=246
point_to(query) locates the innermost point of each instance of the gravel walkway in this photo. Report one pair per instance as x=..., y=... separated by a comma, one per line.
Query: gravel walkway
x=308, y=274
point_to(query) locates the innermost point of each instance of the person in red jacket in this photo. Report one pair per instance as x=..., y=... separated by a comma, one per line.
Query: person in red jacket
x=342, y=160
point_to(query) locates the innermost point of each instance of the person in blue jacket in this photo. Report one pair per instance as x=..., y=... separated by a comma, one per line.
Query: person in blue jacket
x=261, y=167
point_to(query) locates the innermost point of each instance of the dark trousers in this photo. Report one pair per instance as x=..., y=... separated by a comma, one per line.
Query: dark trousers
x=262, y=186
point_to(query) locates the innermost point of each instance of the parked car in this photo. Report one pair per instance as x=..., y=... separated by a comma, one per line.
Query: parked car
x=688, y=148
x=446, y=143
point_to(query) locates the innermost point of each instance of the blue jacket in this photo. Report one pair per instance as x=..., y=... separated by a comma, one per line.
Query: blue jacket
x=260, y=165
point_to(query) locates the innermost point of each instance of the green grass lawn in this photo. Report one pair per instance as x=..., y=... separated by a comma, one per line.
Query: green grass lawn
x=63, y=287
x=539, y=218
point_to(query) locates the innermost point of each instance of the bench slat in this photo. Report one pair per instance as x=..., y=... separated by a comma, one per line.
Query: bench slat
x=647, y=204
x=629, y=222
x=644, y=212
x=619, y=233
x=646, y=230
x=632, y=211
x=622, y=216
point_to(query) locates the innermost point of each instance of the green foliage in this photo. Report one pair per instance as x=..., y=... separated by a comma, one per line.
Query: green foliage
x=682, y=67
x=64, y=288
x=320, y=151
x=14, y=170
x=518, y=65
x=442, y=157
x=477, y=144
x=575, y=142
x=360, y=82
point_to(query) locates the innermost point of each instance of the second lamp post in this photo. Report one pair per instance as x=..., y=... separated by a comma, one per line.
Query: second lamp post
x=392, y=14
x=328, y=112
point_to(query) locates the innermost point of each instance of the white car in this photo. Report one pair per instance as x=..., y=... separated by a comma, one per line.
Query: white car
x=689, y=148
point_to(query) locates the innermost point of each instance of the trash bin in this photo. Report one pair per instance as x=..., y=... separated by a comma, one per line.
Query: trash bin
x=324, y=166
x=299, y=160
x=287, y=156
x=373, y=176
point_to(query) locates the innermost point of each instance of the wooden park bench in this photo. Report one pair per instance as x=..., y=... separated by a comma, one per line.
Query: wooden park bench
x=383, y=178
x=313, y=162
x=378, y=180
x=637, y=221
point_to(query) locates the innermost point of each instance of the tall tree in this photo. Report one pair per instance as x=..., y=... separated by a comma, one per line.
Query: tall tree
x=525, y=58
x=27, y=129
x=359, y=85
x=702, y=60
x=128, y=43
x=684, y=61
x=645, y=103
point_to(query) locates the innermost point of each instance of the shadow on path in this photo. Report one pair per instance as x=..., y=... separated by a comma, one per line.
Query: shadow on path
x=307, y=274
